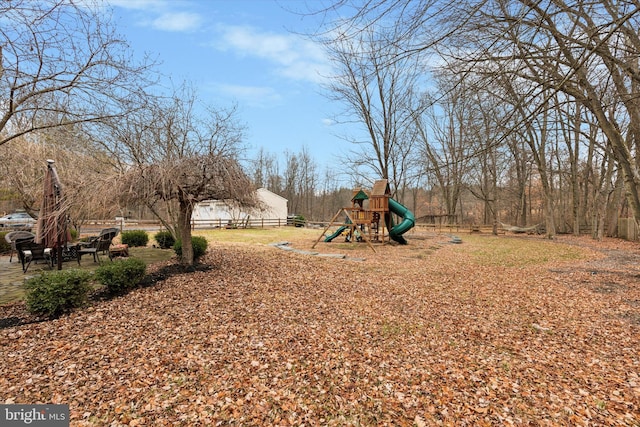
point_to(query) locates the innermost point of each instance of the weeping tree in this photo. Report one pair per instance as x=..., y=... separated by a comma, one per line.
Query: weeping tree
x=173, y=153
x=186, y=181
x=79, y=166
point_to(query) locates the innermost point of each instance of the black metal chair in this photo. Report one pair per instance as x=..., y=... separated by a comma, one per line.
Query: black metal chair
x=12, y=236
x=69, y=252
x=29, y=251
x=97, y=244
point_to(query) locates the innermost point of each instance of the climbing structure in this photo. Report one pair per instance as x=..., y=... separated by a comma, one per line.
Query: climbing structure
x=379, y=206
x=360, y=223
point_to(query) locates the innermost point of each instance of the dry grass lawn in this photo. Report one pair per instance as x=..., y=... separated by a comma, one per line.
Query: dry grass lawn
x=502, y=330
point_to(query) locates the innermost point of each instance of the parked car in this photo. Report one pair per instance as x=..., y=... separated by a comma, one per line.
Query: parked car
x=17, y=220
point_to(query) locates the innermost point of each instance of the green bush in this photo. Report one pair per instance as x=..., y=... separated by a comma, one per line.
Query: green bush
x=134, y=238
x=121, y=276
x=165, y=239
x=199, y=244
x=4, y=246
x=74, y=233
x=299, y=221
x=55, y=293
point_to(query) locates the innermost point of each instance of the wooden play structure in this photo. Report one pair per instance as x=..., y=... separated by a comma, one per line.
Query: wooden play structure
x=369, y=223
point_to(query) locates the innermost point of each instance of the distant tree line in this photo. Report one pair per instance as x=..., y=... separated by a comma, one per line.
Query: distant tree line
x=527, y=106
x=478, y=112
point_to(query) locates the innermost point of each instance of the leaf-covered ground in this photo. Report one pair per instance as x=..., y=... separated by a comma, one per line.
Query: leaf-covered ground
x=427, y=334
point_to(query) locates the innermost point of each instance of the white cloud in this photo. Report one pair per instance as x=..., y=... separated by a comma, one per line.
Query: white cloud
x=152, y=5
x=177, y=21
x=162, y=15
x=254, y=96
x=293, y=56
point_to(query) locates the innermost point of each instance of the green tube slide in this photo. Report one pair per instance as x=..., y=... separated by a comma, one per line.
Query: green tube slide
x=336, y=234
x=407, y=223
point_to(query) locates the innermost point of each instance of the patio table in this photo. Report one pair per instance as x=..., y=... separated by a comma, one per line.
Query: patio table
x=69, y=253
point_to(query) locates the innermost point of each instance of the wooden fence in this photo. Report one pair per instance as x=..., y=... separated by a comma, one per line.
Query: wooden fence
x=244, y=223
x=204, y=224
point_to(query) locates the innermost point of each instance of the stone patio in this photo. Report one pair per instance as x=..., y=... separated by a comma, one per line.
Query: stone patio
x=12, y=278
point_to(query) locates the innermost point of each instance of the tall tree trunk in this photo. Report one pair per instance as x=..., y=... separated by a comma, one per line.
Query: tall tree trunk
x=602, y=198
x=575, y=184
x=184, y=231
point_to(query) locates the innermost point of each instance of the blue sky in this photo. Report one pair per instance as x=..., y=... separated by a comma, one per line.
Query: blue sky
x=245, y=52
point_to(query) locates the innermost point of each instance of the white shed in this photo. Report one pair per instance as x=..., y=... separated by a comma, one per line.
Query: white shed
x=213, y=212
x=275, y=206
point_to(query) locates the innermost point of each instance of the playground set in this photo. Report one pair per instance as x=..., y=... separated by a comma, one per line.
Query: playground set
x=358, y=223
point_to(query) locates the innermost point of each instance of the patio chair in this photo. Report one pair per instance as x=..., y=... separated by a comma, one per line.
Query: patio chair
x=12, y=236
x=97, y=244
x=29, y=251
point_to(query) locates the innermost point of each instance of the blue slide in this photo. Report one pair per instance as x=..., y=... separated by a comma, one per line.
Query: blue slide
x=407, y=223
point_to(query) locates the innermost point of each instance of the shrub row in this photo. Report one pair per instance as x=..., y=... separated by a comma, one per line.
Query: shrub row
x=137, y=238
x=166, y=240
x=59, y=292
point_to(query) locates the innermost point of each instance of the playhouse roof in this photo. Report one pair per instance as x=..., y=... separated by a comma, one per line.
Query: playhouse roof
x=380, y=188
x=360, y=195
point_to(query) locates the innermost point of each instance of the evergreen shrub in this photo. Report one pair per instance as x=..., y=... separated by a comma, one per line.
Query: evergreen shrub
x=57, y=292
x=4, y=245
x=165, y=239
x=121, y=276
x=134, y=238
x=199, y=244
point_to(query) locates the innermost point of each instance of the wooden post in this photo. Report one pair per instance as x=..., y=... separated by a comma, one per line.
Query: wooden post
x=327, y=227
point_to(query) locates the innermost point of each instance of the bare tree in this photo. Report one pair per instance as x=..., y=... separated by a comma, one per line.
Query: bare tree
x=176, y=152
x=444, y=132
x=490, y=157
x=518, y=178
x=291, y=179
x=308, y=182
x=61, y=63
x=589, y=51
x=380, y=90
x=300, y=180
x=259, y=168
x=266, y=172
x=188, y=180
x=586, y=50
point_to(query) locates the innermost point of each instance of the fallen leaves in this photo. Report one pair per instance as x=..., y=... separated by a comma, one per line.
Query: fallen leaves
x=267, y=337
